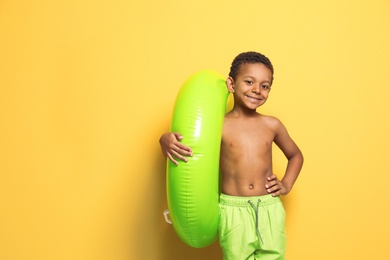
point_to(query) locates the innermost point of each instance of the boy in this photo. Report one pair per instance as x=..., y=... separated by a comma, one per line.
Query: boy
x=252, y=222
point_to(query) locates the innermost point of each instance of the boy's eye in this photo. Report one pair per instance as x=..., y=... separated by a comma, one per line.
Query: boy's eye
x=249, y=82
x=265, y=87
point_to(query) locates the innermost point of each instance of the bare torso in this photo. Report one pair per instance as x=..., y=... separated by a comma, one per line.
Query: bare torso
x=246, y=154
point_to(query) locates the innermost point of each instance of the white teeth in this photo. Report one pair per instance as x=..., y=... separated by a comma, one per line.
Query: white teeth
x=253, y=98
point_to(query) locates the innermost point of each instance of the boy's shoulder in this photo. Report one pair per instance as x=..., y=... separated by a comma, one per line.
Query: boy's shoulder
x=271, y=121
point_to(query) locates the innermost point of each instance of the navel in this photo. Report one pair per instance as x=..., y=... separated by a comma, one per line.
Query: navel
x=251, y=186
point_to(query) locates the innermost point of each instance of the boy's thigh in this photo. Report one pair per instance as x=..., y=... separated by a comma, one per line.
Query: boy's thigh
x=237, y=234
x=272, y=228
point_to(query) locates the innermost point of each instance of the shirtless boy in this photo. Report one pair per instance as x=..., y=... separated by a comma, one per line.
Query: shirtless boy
x=252, y=215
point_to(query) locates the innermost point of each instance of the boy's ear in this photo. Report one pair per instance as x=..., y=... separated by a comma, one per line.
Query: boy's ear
x=230, y=84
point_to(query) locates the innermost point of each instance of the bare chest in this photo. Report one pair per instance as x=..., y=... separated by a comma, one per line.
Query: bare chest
x=251, y=137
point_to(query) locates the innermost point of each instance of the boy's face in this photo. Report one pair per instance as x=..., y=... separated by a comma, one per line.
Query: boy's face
x=251, y=86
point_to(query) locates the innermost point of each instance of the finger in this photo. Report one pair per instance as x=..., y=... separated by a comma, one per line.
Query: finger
x=275, y=193
x=271, y=184
x=180, y=148
x=177, y=135
x=179, y=156
x=184, y=149
x=177, y=142
x=175, y=148
x=272, y=177
x=172, y=159
x=274, y=188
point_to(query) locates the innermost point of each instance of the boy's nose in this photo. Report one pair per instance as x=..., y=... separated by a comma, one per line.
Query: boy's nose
x=256, y=89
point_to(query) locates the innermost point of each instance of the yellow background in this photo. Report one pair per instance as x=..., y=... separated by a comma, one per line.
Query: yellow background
x=87, y=88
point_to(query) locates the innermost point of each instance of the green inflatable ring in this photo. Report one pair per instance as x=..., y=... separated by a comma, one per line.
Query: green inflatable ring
x=193, y=187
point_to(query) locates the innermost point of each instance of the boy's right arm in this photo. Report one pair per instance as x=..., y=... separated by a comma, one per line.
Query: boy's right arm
x=172, y=148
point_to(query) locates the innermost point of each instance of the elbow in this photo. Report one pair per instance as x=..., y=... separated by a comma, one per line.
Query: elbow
x=296, y=158
x=302, y=158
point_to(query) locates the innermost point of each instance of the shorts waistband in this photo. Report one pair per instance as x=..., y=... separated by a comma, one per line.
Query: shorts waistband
x=268, y=199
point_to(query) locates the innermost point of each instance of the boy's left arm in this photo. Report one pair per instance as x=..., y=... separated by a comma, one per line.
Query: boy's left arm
x=295, y=161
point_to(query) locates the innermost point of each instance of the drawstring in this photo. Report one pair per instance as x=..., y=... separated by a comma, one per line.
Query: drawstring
x=256, y=209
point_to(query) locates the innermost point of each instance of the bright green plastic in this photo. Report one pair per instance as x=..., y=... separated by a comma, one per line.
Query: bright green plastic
x=193, y=187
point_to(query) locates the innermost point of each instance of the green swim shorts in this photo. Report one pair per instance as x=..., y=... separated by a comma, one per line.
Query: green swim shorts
x=252, y=227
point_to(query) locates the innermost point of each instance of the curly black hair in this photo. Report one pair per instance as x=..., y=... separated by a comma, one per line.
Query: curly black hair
x=249, y=57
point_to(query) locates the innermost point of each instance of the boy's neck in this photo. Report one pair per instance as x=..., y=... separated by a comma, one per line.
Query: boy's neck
x=245, y=113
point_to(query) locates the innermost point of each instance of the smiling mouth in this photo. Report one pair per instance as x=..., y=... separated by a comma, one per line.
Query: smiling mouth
x=253, y=98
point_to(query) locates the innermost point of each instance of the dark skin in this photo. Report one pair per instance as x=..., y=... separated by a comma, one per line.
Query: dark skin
x=247, y=137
